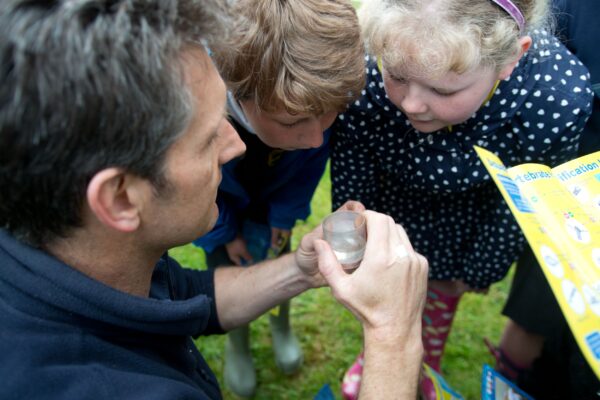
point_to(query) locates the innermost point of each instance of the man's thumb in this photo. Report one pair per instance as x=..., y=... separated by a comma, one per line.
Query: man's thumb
x=329, y=266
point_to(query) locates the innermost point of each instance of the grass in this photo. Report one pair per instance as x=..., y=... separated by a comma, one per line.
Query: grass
x=331, y=337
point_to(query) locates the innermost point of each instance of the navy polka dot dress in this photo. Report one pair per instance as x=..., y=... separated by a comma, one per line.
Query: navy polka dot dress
x=435, y=185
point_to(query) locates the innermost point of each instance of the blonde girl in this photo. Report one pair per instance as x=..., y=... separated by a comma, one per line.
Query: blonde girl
x=443, y=76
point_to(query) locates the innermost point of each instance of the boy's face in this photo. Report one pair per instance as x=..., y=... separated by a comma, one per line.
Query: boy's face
x=286, y=131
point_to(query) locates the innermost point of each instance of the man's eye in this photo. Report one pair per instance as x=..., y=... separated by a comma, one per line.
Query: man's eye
x=213, y=138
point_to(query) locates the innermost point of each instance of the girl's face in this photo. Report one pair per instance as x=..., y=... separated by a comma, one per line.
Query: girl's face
x=433, y=104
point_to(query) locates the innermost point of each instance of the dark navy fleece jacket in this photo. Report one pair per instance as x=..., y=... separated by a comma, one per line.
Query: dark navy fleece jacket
x=66, y=336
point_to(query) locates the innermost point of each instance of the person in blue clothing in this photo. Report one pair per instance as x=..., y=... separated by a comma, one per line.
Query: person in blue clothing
x=281, y=101
x=112, y=136
x=443, y=77
x=537, y=349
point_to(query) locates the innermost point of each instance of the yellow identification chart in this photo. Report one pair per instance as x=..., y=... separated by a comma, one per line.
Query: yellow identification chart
x=442, y=390
x=558, y=210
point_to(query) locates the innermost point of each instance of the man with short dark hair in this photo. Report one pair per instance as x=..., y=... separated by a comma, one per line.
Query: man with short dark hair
x=112, y=134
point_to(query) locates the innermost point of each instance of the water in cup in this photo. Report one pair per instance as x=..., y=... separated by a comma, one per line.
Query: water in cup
x=345, y=231
x=348, y=250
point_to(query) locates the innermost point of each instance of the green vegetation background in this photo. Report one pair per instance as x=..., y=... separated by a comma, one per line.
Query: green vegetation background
x=331, y=338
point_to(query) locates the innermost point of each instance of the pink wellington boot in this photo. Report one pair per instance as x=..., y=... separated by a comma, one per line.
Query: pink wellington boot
x=437, y=320
x=427, y=389
x=352, y=379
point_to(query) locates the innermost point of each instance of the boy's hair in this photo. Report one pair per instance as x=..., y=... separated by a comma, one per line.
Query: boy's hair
x=87, y=85
x=430, y=38
x=302, y=56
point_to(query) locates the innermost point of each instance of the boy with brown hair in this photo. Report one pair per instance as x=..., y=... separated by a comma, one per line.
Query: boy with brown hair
x=290, y=68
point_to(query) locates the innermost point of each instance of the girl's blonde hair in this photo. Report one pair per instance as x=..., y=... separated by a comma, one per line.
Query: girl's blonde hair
x=305, y=56
x=430, y=38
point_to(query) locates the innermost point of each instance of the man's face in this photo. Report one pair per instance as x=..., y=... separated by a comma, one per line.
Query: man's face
x=286, y=131
x=186, y=208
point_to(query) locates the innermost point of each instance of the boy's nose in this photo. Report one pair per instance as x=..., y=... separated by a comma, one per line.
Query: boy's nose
x=313, y=136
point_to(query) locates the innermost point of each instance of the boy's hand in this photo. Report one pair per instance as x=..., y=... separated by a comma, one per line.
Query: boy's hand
x=238, y=251
x=279, y=239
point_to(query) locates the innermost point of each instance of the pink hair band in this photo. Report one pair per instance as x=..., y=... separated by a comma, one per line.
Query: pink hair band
x=513, y=11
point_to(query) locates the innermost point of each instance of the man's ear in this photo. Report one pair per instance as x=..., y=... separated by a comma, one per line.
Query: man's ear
x=115, y=198
x=525, y=44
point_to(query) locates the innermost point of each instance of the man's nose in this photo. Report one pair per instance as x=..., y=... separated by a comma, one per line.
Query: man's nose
x=233, y=146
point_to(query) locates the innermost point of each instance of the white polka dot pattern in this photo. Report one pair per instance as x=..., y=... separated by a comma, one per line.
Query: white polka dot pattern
x=435, y=185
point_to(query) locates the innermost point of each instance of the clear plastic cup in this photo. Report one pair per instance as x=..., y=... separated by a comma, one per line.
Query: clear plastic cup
x=346, y=233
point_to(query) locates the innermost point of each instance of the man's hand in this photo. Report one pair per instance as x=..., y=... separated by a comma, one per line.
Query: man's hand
x=387, y=291
x=238, y=251
x=387, y=294
x=352, y=205
x=306, y=255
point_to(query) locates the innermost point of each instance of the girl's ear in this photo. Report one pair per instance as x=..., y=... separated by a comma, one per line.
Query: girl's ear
x=115, y=198
x=525, y=44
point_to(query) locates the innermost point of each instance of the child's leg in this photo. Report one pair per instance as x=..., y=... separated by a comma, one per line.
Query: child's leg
x=288, y=354
x=517, y=351
x=352, y=379
x=533, y=315
x=440, y=307
x=239, y=373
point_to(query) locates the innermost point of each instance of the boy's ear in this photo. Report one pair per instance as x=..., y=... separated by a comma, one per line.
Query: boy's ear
x=525, y=44
x=115, y=198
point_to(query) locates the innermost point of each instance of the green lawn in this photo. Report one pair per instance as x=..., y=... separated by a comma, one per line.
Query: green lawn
x=331, y=338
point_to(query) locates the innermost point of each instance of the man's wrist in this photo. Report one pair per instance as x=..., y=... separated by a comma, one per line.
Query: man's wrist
x=300, y=280
x=392, y=365
x=390, y=338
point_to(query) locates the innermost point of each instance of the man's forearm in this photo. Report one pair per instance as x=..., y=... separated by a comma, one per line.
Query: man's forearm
x=244, y=293
x=392, y=367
